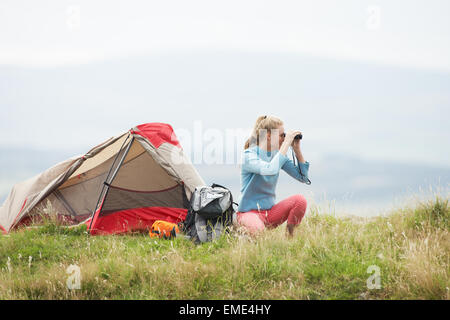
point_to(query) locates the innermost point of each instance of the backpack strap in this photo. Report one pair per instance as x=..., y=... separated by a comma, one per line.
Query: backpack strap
x=218, y=185
x=299, y=169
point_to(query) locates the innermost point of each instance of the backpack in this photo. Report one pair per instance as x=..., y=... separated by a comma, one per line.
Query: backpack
x=210, y=213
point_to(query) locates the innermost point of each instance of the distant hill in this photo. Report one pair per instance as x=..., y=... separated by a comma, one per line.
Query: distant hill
x=19, y=164
x=352, y=183
x=349, y=181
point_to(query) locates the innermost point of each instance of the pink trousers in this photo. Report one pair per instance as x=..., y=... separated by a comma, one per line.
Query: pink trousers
x=291, y=209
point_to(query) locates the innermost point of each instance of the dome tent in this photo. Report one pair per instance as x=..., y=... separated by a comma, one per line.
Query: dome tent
x=121, y=185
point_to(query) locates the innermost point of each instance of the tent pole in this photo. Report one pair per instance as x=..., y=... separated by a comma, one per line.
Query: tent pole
x=108, y=184
x=121, y=161
x=104, y=183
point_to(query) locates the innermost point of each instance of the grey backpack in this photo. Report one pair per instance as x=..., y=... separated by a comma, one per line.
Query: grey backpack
x=210, y=213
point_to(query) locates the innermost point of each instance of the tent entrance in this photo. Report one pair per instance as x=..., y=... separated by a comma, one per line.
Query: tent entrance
x=136, y=193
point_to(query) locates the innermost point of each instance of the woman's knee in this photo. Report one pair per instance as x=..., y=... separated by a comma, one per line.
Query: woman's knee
x=300, y=205
x=298, y=211
x=300, y=200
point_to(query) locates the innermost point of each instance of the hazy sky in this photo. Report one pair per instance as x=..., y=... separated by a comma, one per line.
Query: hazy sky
x=368, y=78
x=48, y=33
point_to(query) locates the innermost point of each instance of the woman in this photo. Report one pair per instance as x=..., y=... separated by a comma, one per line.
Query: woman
x=264, y=155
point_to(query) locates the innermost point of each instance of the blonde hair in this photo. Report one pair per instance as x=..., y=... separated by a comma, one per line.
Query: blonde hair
x=265, y=123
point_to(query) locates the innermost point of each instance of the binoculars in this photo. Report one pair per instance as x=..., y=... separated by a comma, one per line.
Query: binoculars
x=297, y=137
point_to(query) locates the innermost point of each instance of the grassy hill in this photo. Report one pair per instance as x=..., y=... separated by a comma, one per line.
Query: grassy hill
x=404, y=255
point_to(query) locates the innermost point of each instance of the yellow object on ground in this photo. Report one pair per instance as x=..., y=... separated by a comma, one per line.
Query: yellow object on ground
x=164, y=229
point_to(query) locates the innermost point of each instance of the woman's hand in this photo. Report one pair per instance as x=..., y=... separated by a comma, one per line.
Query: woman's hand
x=296, y=146
x=289, y=141
x=290, y=137
x=296, y=142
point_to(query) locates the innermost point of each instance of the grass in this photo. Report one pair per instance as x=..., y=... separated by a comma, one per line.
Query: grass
x=328, y=258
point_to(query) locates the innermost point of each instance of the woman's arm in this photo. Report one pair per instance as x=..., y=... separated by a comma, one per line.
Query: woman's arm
x=298, y=153
x=252, y=163
x=299, y=172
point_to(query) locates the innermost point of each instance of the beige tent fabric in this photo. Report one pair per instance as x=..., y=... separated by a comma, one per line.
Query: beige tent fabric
x=175, y=162
x=25, y=195
x=143, y=173
x=107, y=155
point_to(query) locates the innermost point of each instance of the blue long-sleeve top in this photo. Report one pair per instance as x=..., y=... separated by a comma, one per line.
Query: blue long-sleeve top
x=259, y=175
